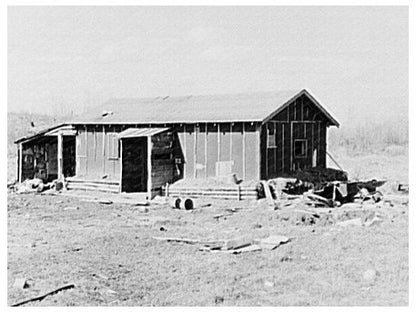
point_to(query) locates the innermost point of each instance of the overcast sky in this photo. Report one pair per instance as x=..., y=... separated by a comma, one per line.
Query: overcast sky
x=353, y=59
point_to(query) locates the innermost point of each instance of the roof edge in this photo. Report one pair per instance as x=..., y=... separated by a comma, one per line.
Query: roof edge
x=300, y=93
x=39, y=133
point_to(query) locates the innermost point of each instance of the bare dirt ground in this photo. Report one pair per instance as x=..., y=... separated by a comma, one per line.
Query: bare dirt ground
x=109, y=253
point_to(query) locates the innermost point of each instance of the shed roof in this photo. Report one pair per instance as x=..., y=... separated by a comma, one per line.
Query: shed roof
x=251, y=107
x=254, y=107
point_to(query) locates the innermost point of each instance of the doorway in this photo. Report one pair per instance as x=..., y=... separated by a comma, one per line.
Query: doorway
x=68, y=156
x=134, y=165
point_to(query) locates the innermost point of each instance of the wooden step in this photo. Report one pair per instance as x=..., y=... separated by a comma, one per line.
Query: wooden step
x=93, y=185
x=81, y=187
x=105, y=182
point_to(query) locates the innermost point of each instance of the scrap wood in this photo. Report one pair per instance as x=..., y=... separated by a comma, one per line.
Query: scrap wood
x=267, y=192
x=403, y=188
x=188, y=240
x=221, y=215
x=40, y=298
x=272, y=241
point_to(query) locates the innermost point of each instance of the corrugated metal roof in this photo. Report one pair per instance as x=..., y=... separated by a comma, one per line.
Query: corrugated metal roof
x=190, y=109
x=136, y=133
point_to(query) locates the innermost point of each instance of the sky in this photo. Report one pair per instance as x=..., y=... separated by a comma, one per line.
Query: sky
x=353, y=59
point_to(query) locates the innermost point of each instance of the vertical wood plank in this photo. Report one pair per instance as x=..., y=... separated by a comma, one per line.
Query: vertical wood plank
x=267, y=150
x=194, y=150
x=121, y=167
x=283, y=147
x=206, y=150
x=149, y=167
x=60, y=155
x=301, y=108
x=218, y=143
x=275, y=150
x=184, y=151
x=318, y=154
x=103, y=150
x=294, y=118
x=258, y=151
x=20, y=163
x=244, y=150
x=86, y=150
x=291, y=146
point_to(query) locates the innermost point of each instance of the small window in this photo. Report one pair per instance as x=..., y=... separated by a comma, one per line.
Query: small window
x=271, y=137
x=300, y=148
x=113, y=147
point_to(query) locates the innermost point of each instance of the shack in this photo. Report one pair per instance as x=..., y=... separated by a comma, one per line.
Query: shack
x=139, y=145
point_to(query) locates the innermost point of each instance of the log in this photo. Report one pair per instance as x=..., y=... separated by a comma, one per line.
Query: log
x=40, y=298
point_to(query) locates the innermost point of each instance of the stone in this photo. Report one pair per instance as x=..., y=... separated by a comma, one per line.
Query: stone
x=20, y=283
x=370, y=275
x=268, y=284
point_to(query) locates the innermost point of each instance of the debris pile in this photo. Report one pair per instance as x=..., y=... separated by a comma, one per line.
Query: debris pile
x=36, y=186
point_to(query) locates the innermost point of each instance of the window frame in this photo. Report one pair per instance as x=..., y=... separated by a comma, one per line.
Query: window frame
x=271, y=127
x=305, y=154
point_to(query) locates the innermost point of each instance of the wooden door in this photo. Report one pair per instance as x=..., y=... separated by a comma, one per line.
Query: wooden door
x=134, y=165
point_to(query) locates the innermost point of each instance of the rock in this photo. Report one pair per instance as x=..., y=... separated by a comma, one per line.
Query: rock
x=375, y=221
x=370, y=275
x=352, y=222
x=20, y=283
x=71, y=208
x=111, y=292
x=219, y=299
x=105, y=201
x=286, y=259
x=268, y=284
x=143, y=209
x=59, y=185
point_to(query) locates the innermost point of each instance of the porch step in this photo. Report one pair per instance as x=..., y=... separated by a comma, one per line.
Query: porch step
x=105, y=182
x=90, y=185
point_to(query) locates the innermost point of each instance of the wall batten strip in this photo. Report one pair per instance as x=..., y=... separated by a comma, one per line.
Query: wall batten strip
x=218, y=144
x=185, y=156
x=291, y=146
x=121, y=166
x=86, y=151
x=275, y=150
x=195, y=138
x=103, y=150
x=20, y=162
x=231, y=141
x=206, y=150
x=283, y=147
x=301, y=108
x=244, y=151
x=149, y=167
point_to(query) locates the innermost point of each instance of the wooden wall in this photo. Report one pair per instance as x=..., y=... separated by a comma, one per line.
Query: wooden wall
x=300, y=120
x=40, y=159
x=205, y=144
x=97, y=152
x=164, y=153
x=195, y=149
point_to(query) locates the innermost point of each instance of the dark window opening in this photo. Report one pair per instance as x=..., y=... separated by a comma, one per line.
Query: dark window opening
x=271, y=137
x=300, y=148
